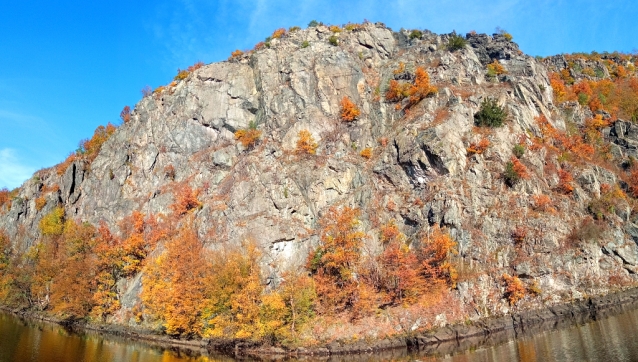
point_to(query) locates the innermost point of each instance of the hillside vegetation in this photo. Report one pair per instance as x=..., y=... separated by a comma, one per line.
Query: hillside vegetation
x=339, y=183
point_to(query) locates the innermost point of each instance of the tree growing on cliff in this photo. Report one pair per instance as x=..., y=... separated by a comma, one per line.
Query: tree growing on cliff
x=349, y=111
x=175, y=285
x=490, y=114
x=306, y=144
x=334, y=264
x=248, y=137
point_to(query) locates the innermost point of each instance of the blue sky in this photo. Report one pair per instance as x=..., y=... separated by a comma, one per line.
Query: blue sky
x=68, y=66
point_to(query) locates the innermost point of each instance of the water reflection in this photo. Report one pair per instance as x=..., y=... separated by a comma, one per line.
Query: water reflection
x=608, y=339
x=35, y=341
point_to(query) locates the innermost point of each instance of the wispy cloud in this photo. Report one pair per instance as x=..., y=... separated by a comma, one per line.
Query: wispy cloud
x=12, y=171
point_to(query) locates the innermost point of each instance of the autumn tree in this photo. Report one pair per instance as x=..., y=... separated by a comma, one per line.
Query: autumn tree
x=421, y=87
x=286, y=311
x=90, y=148
x=514, y=289
x=565, y=181
x=436, y=249
x=125, y=115
x=185, y=200
x=71, y=288
x=232, y=307
x=4, y=197
x=349, y=111
x=248, y=137
x=334, y=264
x=495, y=68
x=108, y=269
x=399, y=267
x=306, y=144
x=175, y=285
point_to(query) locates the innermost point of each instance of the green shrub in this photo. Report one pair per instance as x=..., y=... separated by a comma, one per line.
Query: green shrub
x=416, y=34
x=456, y=42
x=334, y=40
x=490, y=114
x=518, y=150
x=293, y=29
x=313, y=23
x=305, y=44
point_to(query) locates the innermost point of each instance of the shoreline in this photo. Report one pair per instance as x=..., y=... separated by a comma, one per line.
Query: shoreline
x=445, y=340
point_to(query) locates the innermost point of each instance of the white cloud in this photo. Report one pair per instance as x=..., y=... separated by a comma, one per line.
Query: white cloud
x=12, y=172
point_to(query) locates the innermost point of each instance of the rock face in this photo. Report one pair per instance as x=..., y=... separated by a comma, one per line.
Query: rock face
x=420, y=173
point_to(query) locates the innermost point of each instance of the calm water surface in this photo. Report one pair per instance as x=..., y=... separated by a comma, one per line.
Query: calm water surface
x=611, y=339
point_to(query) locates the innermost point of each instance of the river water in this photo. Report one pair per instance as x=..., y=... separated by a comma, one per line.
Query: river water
x=613, y=338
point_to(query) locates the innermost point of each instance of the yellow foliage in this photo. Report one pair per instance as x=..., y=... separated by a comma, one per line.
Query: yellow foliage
x=366, y=153
x=232, y=307
x=514, y=289
x=248, y=137
x=52, y=224
x=175, y=285
x=306, y=144
x=495, y=68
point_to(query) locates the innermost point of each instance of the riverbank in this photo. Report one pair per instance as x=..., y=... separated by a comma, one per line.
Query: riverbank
x=489, y=331
x=445, y=340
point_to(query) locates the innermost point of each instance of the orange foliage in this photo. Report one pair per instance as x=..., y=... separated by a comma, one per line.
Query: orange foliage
x=108, y=254
x=436, y=248
x=421, y=87
x=396, y=91
x=60, y=168
x=40, y=202
x=236, y=54
x=565, y=180
x=633, y=181
x=71, y=288
x=519, y=168
x=125, y=115
x=278, y=33
x=306, y=144
x=559, y=140
x=181, y=75
x=542, y=202
x=185, y=200
x=399, y=268
x=248, y=137
x=366, y=153
x=195, y=66
x=349, y=112
x=561, y=92
x=335, y=263
x=618, y=97
x=90, y=148
x=566, y=76
x=479, y=148
x=514, y=289
x=175, y=285
x=4, y=197
x=414, y=92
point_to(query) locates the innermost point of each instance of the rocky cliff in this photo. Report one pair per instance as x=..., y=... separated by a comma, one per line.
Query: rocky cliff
x=422, y=171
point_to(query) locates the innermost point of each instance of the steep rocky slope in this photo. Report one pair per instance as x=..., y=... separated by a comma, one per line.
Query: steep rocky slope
x=420, y=172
